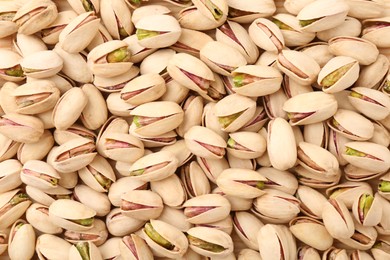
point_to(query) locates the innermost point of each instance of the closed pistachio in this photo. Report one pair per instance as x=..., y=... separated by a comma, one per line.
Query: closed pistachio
x=374, y=29
x=35, y=15
x=141, y=204
x=311, y=201
x=206, y=208
x=21, y=128
x=338, y=74
x=97, y=201
x=21, y=241
x=350, y=27
x=177, y=197
x=134, y=247
x=266, y=35
x=13, y=204
x=157, y=31
x=50, y=34
x=94, y=114
x=337, y=219
x=322, y=15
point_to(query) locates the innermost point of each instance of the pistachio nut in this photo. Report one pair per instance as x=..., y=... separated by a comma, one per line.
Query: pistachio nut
x=38, y=216
x=39, y=174
x=276, y=206
x=84, y=250
x=190, y=72
x=306, y=252
x=72, y=155
x=266, y=35
x=122, y=147
x=298, y=65
x=154, y=167
x=276, y=242
x=247, y=12
x=21, y=242
x=165, y=239
x=94, y=114
x=141, y=204
x=242, y=183
x=191, y=42
x=256, y=80
x=117, y=83
x=98, y=234
x=110, y=59
x=209, y=242
x=234, y=35
x=311, y=201
x=10, y=175
x=193, y=109
x=234, y=111
x=212, y=167
x=134, y=247
x=214, y=10
x=51, y=246
x=347, y=46
x=42, y=64
x=176, y=218
x=312, y=232
x=370, y=102
x=13, y=204
x=98, y=201
x=338, y=74
x=373, y=75
x=350, y=27
x=68, y=180
x=82, y=6
x=21, y=128
x=10, y=68
x=157, y=63
x=116, y=17
x=98, y=174
x=35, y=15
x=206, y=208
x=367, y=209
x=157, y=31
x=335, y=253
x=120, y=225
x=384, y=186
x=79, y=33
x=337, y=219
x=279, y=180
x=47, y=197
x=247, y=226
x=348, y=192
x=156, y=118
x=362, y=239
x=36, y=97
x=72, y=132
x=281, y=145
x=143, y=89
x=110, y=248
x=351, y=125
x=178, y=194
x=369, y=156
x=210, y=120
x=70, y=214
x=7, y=13
x=138, y=52
x=179, y=148
x=322, y=15
x=50, y=34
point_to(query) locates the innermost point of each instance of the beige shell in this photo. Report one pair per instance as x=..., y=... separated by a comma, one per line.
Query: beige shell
x=36, y=216
x=220, y=5
x=177, y=197
x=366, y=10
x=7, y=27
x=350, y=27
x=252, y=10
x=373, y=31
x=10, y=59
x=51, y=33
x=117, y=83
x=148, y=204
x=141, y=249
x=254, y=142
x=266, y=35
x=247, y=226
x=94, y=114
x=93, y=199
x=9, y=217
x=374, y=75
x=157, y=62
x=191, y=42
x=116, y=16
x=279, y=180
x=192, y=18
x=78, y=6
x=21, y=128
x=9, y=175
x=120, y=225
x=138, y=52
x=21, y=237
x=26, y=45
x=42, y=64
x=39, y=167
x=93, y=252
x=79, y=33
x=311, y=201
x=337, y=219
x=194, y=180
x=133, y=152
x=373, y=215
x=51, y=246
x=63, y=211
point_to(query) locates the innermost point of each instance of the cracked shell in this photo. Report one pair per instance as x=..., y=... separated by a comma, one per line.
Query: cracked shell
x=246, y=145
x=367, y=210
x=10, y=175
x=19, y=203
x=21, y=242
x=122, y=147
x=42, y=64
x=21, y=128
x=266, y=35
x=117, y=17
x=141, y=204
x=51, y=246
x=337, y=219
x=38, y=216
x=10, y=68
x=78, y=251
x=39, y=175
x=133, y=247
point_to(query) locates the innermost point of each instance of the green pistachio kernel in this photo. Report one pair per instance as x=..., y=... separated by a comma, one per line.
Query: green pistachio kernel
x=7, y=16
x=156, y=237
x=83, y=248
x=238, y=80
x=260, y=185
x=353, y=152
x=225, y=121
x=15, y=71
x=88, y=6
x=231, y=143
x=215, y=11
x=18, y=198
x=365, y=203
x=137, y=172
x=84, y=222
x=386, y=87
x=333, y=77
x=304, y=23
x=143, y=34
x=384, y=186
x=119, y=55
x=282, y=26
x=205, y=245
x=356, y=95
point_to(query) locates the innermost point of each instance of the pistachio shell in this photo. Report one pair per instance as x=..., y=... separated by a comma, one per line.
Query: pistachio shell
x=246, y=12
x=312, y=201
x=365, y=10
x=367, y=210
x=266, y=35
x=21, y=128
x=9, y=175
x=11, y=63
x=51, y=246
x=93, y=251
x=82, y=7
x=173, y=183
x=120, y=225
x=37, y=215
x=42, y=64
x=337, y=219
x=350, y=27
x=117, y=18
x=16, y=211
x=39, y=174
x=117, y=83
x=51, y=33
x=93, y=199
x=141, y=204
x=279, y=180
x=22, y=237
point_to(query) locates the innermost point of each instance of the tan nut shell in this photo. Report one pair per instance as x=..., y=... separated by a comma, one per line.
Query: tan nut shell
x=40, y=220
x=377, y=35
x=9, y=217
x=51, y=246
x=42, y=168
x=150, y=199
x=29, y=130
x=9, y=175
x=177, y=197
x=338, y=222
x=47, y=64
x=23, y=238
x=9, y=60
x=130, y=154
x=255, y=142
x=374, y=214
x=114, y=13
x=142, y=250
x=262, y=38
x=93, y=253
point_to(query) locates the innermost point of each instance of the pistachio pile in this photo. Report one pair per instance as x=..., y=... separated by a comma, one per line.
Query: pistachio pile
x=203, y=129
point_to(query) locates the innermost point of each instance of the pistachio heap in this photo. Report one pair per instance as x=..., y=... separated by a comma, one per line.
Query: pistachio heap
x=203, y=129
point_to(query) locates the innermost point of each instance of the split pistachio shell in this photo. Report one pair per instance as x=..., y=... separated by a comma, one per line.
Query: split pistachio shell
x=193, y=109
x=234, y=35
x=281, y=144
x=351, y=125
x=21, y=128
x=175, y=217
x=177, y=197
x=47, y=197
x=279, y=180
x=367, y=210
x=312, y=232
x=367, y=155
x=364, y=51
x=338, y=74
x=10, y=175
x=336, y=253
x=246, y=145
x=234, y=111
x=45, y=13
x=157, y=31
x=117, y=83
x=363, y=238
x=72, y=155
x=210, y=242
x=143, y=89
x=38, y=216
x=133, y=247
x=204, y=142
x=256, y=80
x=373, y=75
x=14, y=204
x=337, y=219
x=214, y=10
x=156, y=118
x=36, y=97
x=79, y=33
x=247, y=226
x=110, y=59
x=51, y=33
x=322, y=15
x=154, y=167
x=10, y=68
x=311, y=201
x=306, y=253
x=70, y=214
x=206, y=208
x=246, y=12
x=190, y=72
x=21, y=242
x=84, y=6
x=93, y=199
x=276, y=242
x=276, y=206
x=42, y=64
x=84, y=250
x=51, y=246
x=371, y=103
x=123, y=147
x=116, y=17
x=74, y=131
x=141, y=204
x=266, y=35
x=214, y=55
x=374, y=30
x=7, y=26
x=39, y=174
x=191, y=42
x=120, y=225
x=242, y=183
x=94, y=114
x=165, y=239
x=299, y=66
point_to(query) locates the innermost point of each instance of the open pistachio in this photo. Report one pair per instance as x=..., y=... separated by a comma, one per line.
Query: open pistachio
x=7, y=13
x=116, y=17
x=335, y=253
x=367, y=210
x=363, y=238
x=21, y=128
x=337, y=219
x=38, y=216
x=84, y=250
x=51, y=246
x=266, y=35
x=141, y=204
x=39, y=174
x=247, y=226
x=82, y=6
x=348, y=192
x=21, y=241
x=98, y=234
x=10, y=68
x=42, y=64
x=384, y=186
x=246, y=12
x=306, y=253
x=134, y=247
x=13, y=204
